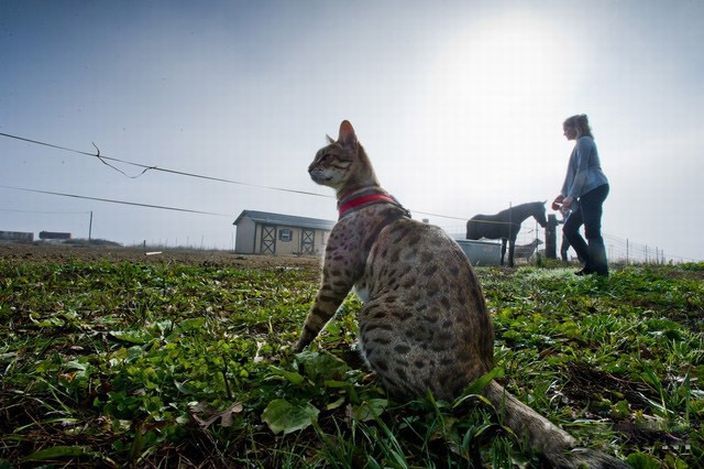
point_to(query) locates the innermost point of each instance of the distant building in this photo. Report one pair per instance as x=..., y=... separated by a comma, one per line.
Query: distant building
x=16, y=236
x=45, y=235
x=273, y=233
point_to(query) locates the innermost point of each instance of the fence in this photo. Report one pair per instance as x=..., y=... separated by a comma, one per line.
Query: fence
x=618, y=249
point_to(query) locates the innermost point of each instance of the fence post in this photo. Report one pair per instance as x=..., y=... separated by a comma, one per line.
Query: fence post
x=90, y=227
x=550, y=238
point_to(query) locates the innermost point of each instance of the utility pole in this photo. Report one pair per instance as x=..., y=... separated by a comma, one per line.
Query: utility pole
x=90, y=227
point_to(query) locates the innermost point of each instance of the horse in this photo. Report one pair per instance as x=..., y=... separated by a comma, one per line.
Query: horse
x=505, y=225
x=526, y=251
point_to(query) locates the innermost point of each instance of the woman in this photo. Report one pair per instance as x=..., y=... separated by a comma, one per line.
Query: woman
x=584, y=183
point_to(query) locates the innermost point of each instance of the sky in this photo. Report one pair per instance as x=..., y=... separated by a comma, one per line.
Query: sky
x=459, y=105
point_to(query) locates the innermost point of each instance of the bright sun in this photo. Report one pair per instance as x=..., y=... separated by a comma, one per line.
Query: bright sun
x=502, y=73
x=493, y=104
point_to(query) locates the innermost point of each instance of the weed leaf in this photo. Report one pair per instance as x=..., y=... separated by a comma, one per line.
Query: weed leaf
x=642, y=461
x=291, y=376
x=132, y=337
x=58, y=452
x=321, y=365
x=369, y=410
x=476, y=386
x=282, y=416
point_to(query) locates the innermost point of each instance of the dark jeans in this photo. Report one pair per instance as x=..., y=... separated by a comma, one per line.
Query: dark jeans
x=588, y=214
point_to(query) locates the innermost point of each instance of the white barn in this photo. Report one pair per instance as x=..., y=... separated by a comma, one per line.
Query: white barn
x=277, y=234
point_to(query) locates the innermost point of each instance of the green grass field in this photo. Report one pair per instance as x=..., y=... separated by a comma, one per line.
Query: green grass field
x=161, y=365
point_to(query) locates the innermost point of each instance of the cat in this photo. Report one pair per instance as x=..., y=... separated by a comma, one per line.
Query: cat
x=424, y=325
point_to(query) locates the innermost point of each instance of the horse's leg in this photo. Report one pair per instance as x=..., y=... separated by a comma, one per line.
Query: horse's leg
x=503, y=249
x=511, y=249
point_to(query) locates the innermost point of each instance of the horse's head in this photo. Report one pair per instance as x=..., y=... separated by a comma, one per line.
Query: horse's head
x=539, y=213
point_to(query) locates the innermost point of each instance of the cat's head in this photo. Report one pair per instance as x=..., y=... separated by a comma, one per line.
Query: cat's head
x=342, y=164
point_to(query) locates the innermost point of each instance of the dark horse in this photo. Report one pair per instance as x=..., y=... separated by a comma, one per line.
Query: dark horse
x=505, y=225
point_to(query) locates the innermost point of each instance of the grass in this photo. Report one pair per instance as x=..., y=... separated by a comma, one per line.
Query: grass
x=119, y=364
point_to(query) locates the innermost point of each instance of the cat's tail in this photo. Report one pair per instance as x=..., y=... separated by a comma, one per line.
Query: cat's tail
x=558, y=446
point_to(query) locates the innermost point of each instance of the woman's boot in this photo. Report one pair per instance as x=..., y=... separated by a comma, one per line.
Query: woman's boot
x=598, y=263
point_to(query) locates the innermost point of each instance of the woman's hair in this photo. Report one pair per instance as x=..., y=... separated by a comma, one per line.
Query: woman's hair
x=581, y=123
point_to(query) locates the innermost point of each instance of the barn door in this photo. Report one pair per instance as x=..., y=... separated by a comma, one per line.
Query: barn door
x=268, y=240
x=307, y=241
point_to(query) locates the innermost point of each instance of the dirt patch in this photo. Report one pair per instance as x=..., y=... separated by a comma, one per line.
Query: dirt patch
x=588, y=385
x=62, y=253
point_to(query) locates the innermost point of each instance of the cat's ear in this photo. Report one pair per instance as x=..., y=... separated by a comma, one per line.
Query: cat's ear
x=347, y=135
x=329, y=138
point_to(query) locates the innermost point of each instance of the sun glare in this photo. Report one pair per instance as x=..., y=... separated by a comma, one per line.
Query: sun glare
x=495, y=98
x=500, y=73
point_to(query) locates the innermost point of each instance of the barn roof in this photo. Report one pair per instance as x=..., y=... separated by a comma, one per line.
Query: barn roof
x=286, y=220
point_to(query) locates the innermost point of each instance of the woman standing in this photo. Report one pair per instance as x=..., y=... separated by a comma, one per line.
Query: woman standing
x=584, y=183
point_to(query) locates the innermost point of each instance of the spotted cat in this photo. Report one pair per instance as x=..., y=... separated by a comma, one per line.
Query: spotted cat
x=424, y=325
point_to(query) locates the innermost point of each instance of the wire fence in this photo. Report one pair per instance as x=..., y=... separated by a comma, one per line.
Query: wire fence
x=619, y=249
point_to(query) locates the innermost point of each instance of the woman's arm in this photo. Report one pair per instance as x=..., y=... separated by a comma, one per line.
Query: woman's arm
x=583, y=150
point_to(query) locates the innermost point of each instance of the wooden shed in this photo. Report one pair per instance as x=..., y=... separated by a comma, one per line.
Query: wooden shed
x=17, y=236
x=51, y=235
x=277, y=234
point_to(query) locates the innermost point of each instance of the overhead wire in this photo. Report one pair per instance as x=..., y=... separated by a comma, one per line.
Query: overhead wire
x=44, y=212
x=145, y=168
x=636, y=249
x=115, y=201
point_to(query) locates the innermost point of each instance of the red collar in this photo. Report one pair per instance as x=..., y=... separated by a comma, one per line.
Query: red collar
x=364, y=197
x=368, y=199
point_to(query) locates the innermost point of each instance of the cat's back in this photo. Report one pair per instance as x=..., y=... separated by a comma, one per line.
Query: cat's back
x=425, y=310
x=423, y=255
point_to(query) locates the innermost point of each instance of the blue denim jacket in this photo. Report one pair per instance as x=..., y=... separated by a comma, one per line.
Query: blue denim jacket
x=584, y=170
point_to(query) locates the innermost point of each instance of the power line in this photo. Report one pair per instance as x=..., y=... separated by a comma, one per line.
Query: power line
x=44, y=212
x=441, y=216
x=636, y=249
x=146, y=168
x=114, y=201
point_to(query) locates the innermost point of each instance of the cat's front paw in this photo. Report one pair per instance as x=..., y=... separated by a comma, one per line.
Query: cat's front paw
x=298, y=348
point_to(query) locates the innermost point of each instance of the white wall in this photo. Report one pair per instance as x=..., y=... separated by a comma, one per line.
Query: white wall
x=245, y=242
